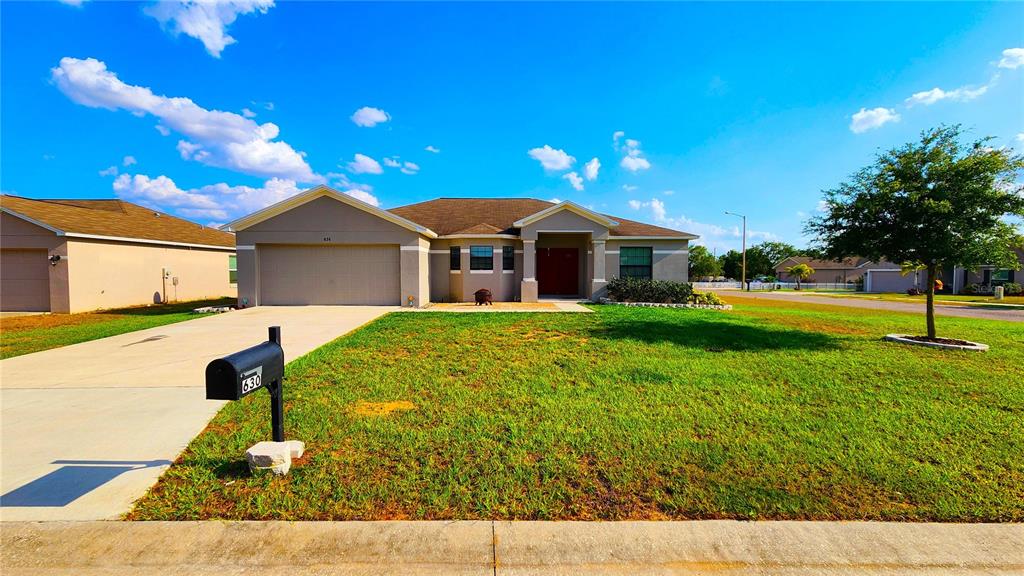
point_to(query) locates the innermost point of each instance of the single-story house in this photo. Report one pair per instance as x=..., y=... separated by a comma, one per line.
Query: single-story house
x=325, y=247
x=848, y=270
x=953, y=281
x=81, y=255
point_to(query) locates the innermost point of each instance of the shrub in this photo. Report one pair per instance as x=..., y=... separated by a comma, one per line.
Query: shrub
x=970, y=289
x=707, y=299
x=913, y=292
x=644, y=290
x=1013, y=289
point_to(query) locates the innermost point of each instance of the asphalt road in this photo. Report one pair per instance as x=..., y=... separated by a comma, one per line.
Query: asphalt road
x=1007, y=314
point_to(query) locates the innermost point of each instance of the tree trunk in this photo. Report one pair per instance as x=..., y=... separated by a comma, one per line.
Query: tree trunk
x=930, y=305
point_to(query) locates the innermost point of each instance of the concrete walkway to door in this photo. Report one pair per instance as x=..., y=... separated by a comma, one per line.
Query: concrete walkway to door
x=87, y=429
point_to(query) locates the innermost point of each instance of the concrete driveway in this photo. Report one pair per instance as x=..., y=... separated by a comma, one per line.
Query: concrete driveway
x=87, y=429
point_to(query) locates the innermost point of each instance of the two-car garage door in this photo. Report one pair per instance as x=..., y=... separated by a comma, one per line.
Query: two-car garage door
x=301, y=275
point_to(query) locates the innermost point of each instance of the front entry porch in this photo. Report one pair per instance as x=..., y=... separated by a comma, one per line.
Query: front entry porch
x=562, y=265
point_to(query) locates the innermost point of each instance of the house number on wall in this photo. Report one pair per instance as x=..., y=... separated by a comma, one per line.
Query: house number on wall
x=327, y=238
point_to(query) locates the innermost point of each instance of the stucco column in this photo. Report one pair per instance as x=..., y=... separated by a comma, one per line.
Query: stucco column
x=528, y=287
x=597, y=285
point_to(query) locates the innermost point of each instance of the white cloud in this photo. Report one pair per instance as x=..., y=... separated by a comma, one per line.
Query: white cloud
x=75, y=3
x=822, y=206
x=551, y=159
x=163, y=130
x=129, y=160
x=341, y=181
x=629, y=187
x=635, y=164
x=216, y=138
x=1020, y=137
x=204, y=20
x=433, y=149
x=616, y=136
x=656, y=206
x=574, y=179
x=410, y=168
x=368, y=117
x=392, y=162
x=364, y=196
x=216, y=201
x=711, y=235
x=363, y=164
x=668, y=192
x=591, y=168
x=633, y=160
x=112, y=171
x=1013, y=58
x=555, y=200
x=248, y=113
x=962, y=94
x=870, y=119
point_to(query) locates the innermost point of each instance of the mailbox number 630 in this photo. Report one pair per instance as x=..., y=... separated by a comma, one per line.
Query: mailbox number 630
x=251, y=383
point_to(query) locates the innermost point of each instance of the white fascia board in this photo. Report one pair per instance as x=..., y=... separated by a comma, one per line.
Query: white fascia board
x=318, y=192
x=570, y=206
x=56, y=231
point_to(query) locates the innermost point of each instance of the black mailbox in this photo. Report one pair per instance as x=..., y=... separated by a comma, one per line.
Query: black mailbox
x=242, y=373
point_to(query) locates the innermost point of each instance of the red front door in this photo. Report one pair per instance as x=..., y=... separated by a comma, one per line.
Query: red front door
x=558, y=271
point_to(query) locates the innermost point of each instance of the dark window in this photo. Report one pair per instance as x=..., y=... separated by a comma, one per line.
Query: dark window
x=635, y=262
x=508, y=258
x=1002, y=276
x=233, y=269
x=481, y=258
x=455, y=258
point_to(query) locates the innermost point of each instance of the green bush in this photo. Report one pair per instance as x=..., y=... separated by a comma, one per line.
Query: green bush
x=643, y=290
x=970, y=289
x=1013, y=289
x=707, y=299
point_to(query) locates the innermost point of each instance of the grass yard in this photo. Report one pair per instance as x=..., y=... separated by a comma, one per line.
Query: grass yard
x=25, y=334
x=774, y=410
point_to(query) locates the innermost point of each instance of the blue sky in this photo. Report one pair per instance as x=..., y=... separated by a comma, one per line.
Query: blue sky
x=690, y=109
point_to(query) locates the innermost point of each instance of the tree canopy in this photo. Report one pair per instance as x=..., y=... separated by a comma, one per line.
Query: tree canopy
x=935, y=203
x=702, y=263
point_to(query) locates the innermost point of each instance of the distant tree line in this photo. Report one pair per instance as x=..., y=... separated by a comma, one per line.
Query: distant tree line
x=761, y=260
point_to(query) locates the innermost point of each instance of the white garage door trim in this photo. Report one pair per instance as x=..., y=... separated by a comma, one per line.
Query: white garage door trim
x=334, y=274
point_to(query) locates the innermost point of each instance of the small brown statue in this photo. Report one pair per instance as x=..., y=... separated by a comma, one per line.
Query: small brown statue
x=483, y=297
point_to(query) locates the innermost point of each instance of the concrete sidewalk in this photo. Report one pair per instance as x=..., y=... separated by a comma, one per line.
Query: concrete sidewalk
x=87, y=429
x=483, y=547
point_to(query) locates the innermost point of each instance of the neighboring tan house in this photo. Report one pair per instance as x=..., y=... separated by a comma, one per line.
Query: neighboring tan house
x=953, y=281
x=80, y=255
x=325, y=247
x=848, y=270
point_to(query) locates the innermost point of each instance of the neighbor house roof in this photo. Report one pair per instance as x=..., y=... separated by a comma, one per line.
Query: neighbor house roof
x=113, y=220
x=851, y=263
x=468, y=216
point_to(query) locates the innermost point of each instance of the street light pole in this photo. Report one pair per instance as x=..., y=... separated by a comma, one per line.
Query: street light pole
x=743, y=280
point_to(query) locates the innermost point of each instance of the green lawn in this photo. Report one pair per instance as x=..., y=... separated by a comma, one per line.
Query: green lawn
x=965, y=299
x=25, y=334
x=774, y=410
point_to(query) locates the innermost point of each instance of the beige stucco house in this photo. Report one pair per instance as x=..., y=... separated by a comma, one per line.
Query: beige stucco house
x=81, y=255
x=325, y=247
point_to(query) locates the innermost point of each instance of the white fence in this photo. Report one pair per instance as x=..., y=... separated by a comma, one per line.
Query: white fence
x=761, y=286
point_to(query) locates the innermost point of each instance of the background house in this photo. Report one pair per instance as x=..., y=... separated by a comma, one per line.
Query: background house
x=325, y=247
x=848, y=270
x=80, y=255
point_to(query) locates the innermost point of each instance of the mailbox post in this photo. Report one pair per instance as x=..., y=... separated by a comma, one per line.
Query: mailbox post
x=235, y=376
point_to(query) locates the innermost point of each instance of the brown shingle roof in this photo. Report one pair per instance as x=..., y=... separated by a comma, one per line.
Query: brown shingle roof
x=496, y=216
x=115, y=218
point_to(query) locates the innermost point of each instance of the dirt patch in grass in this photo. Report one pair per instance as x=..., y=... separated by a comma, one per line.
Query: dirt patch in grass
x=381, y=408
x=806, y=324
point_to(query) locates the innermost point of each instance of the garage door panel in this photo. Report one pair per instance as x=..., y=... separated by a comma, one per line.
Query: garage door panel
x=304, y=275
x=24, y=281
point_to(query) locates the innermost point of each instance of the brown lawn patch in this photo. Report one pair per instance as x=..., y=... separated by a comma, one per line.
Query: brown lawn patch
x=377, y=409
